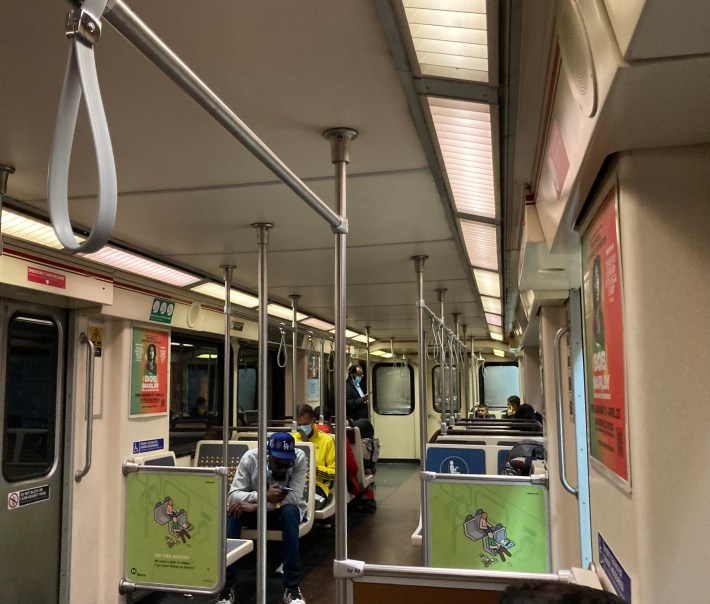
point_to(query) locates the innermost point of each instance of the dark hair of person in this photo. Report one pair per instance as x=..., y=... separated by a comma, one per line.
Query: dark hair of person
x=514, y=400
x=305, y=409
x=353, y=369
x=525, y=411
x=551, y=592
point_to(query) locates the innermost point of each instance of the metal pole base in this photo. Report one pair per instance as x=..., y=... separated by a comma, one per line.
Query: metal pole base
x=340, y=139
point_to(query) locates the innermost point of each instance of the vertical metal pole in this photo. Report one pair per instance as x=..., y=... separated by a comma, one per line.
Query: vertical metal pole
x=263, y=287
x=340, y=139
x=419, y=268
x=321, y=384
x=294, y=349
x=466, y=392
x=227, y=268
x=5, y=171
x=455, y=373
x=367, y=368
x=441, y=294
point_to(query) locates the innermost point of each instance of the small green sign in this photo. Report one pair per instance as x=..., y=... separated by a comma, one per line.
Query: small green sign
x=488, y=526
x=162, y=310
x=174, y=529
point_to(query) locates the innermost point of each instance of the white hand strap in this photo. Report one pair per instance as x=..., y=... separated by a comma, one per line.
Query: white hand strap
x=81, y=76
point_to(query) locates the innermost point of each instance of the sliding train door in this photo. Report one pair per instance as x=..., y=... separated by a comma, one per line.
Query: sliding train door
x=32, y=373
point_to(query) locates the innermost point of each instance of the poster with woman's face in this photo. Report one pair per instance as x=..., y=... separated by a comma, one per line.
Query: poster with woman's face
x=149, y=372
x=604, y=341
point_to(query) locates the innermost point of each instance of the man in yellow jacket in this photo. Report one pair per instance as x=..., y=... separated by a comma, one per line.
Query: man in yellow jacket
x=325, y=452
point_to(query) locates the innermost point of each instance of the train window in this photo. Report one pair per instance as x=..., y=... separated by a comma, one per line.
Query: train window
x=498, y=381
x=248, y=382
x=196, y=368
x=30, y=412
x=436, y=393
x=393, y=389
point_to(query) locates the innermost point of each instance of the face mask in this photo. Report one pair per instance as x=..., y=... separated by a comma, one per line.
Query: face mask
x=306, y=430
x=357, y=379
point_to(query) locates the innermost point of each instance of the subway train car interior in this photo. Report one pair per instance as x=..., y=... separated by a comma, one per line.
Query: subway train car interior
x=466, y=238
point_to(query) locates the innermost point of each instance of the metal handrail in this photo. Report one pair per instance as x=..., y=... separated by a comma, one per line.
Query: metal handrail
x=128, y=24
x=84, y=339
x=558, y=396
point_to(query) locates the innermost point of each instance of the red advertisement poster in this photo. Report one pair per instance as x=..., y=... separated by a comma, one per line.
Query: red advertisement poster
x=604, y=341
x=149, y=372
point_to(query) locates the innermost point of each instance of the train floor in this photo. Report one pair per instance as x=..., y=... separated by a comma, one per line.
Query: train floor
x=382, y=537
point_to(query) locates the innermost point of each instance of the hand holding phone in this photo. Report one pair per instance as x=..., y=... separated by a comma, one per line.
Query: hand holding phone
x=286, y=489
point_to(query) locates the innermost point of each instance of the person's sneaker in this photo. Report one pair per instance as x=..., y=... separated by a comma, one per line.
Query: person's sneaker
x=293, y=596
x=226, y=597
x=280, y=569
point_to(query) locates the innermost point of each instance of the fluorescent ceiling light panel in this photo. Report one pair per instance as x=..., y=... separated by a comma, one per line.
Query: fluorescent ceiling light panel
x=488, y=282
x=363, y=338
x=495, y=329
x=491, y=305
x=35, y=231
x=318, y=324
x=497, y=336
x=481, y=241
x=214, y=290
x=348, y=333
x=498, y=353
x=463, y=131
x=380, y=353
x=282, y=312
x=450, y=37
x=494, y=319
x=29, y=229
x=132, y=263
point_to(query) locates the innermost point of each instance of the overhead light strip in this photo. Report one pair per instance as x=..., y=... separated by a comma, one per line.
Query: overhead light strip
x=450, y=37
x=35, y=231
x=468, y=160
x=481, y=241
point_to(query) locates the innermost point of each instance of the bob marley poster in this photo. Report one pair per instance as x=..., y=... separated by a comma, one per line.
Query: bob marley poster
x=604, y=341
x=149, y=372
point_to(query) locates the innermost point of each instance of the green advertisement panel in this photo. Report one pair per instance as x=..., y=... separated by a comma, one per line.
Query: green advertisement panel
x=488, y=526
x=174, y=529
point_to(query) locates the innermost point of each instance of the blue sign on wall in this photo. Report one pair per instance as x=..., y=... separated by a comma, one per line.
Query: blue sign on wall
x=144, y=446
x=612, y=567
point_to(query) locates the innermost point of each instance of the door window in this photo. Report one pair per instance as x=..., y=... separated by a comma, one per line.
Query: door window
x=30, y=411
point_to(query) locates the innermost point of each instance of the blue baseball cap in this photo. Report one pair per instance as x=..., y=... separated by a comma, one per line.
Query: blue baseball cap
x=282, y=446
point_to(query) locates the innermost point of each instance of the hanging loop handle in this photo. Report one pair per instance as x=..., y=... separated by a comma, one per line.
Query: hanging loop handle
x=281, y=354
x=81, y=77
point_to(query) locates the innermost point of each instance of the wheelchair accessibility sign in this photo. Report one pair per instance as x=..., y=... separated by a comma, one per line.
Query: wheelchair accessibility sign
x=144, y=446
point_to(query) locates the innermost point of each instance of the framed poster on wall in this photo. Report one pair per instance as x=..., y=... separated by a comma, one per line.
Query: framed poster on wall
x=149, y=372
x=604, y=343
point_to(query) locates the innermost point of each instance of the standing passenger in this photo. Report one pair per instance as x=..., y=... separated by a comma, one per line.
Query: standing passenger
x=355, y=398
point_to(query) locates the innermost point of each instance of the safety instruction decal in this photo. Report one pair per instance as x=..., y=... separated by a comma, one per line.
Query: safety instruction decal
x=18, y=499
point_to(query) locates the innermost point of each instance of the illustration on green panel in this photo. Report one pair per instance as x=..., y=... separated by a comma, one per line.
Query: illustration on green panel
x=494, y=526
x=494, y=539
x=178, y=526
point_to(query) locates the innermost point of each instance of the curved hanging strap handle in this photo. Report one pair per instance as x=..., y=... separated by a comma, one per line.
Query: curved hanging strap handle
x=80, y=76
x=281, y=355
